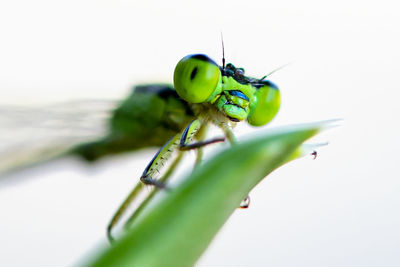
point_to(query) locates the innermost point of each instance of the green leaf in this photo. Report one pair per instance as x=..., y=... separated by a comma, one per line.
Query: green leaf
x=177, y=230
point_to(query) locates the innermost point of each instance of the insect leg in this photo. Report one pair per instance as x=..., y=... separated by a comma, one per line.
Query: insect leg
x=194, y=129
x=153, y=167
x=245, y=203
x=157, y=162
x=163, y=179
x=200, y=136
x=117, y=216
x=228, y=133
x=314, y=154
x=188, y=135
x=199, y=156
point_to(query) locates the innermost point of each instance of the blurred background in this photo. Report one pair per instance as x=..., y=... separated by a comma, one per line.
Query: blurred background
x=339, y=210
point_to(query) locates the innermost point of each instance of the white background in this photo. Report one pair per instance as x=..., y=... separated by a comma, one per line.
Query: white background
x=340, y=210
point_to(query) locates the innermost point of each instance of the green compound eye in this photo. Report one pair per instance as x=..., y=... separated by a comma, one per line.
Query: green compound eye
x=266, y=104
x=197, y=78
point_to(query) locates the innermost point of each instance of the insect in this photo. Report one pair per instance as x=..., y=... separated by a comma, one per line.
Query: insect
x=217, y=95
x=154, y=115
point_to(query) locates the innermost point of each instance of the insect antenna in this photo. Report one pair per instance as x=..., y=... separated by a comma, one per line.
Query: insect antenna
x=275, y=70
x=223, y=52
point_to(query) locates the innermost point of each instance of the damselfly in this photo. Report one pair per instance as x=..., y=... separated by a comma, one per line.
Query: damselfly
x=174, y=117
x=205, y=93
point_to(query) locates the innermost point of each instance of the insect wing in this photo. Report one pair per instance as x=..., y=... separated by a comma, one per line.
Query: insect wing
x=31, y=135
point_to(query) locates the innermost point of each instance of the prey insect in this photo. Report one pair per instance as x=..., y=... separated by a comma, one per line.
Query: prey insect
x=217, y=95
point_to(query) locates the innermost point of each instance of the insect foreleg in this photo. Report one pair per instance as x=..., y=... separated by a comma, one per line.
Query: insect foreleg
x=154, y=165
x=157, y=162
x=188, y=135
